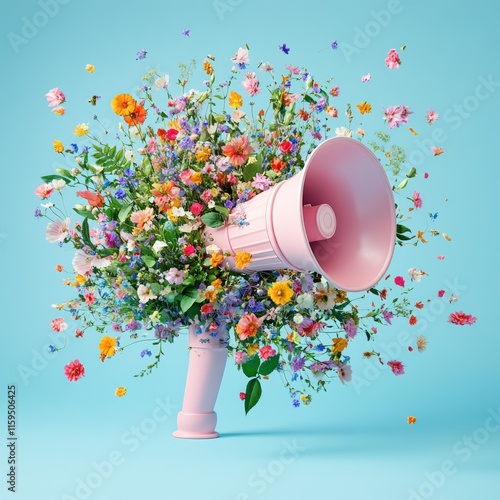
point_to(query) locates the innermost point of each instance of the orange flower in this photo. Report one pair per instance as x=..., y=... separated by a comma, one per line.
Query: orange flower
x=235, y=100
x=420, y=236
x=364, y=107
x=123, y=104
x=411, y=420
x=216, y=259
x=248, y=326
x=302, y=113
x=137, y=116
x=207, y=67
x=242, y=259
x=107, y=346
x=94, y=199
x=278, y=165
x=59, y=268
x=339, y=344
x=238, y=149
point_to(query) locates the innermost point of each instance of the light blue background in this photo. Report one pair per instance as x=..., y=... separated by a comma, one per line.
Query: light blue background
x=352, y=442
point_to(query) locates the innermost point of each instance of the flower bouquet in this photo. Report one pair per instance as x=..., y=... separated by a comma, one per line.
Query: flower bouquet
x=184, y=162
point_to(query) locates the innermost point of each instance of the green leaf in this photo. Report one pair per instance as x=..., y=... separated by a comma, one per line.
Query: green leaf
x=402, y=229
x=222, y=210
x=212, y=219
x=123, y=213
x=309, y=99
x=84, y=213
x=65, y=173
x=251, y=366
x=52, y=177
x=156, y=288
x=86, y=233
x=149, y=261
x=252, y=394
x=269, y=365
x=187, y=302
x=250, y=170
x=402, y=237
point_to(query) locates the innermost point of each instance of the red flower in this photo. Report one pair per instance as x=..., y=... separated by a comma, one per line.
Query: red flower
x=207, y=309
x=460, y=318
x=413, y=320
x=278, y=165
x=266, y=352
x=419, y=305
x=399, y=280
x=286, y=147
x=74, y=370
x=242, y=396
x=189, y=250
x=196, y=208
x=441, y=293
x=136, y=117
x=171, y=134
x=397, y=367
x=94, y=199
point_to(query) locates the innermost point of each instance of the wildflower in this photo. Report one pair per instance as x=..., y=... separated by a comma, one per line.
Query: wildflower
x=240, y=357
x=251, y=84
x=397, y=367
x=107, y=346
x=141, y=54
x=437, y=151
x=58, y=146
x=207, y=67
x=242, y=396
x=344, y=371
x=388, y=315
x=364, y=107
x=90, y=68
x=242, y=259
x=241, y=58
x=44, y=191
x=136, y=116
x=120, y=391
x=392, y=61
x=460, y=318
x=366, y=78
x=57, y=231
x=411, y=420
x=81, y=129
x=74, y=371
x=284, y=49
x=58, y=325
x=235, y=100
x=421, y=343
x=339, y=344
x=413, y=320
x=123, y=104
x=94, y=199
x=280, y=292
x=432, y=116
x=237, y=150
x=143, y=219
x=145, y=294
x=350, y=327
x=59, y=111
x=55, y=97
x=334, y=45
x=415, y=274
x=399, y=280
x=248, y=325
x=266, y=352
x=441, y=293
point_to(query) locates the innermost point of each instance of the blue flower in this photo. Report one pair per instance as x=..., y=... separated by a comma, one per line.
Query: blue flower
x=334, y=45
x=74, y=147
x=51, y=348
x=296, y=403
x=145, y=352
x=141, y=54
x=284, y=48
x=37, y=213
x=120, y=194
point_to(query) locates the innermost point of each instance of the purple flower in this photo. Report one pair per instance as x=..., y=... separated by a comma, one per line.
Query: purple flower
x=334, y=45
x=296, y=403
x=141, y=54
x=284, y=48
x=145, y=352
x=186, y=32
x=351, y=328
x=298, y=363
x=387, y=316
x=120, y=194
x=37, y=213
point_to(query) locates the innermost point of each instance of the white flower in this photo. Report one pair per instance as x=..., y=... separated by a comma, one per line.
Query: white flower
x=212, y=249
x=145, y=294
x=415, y=274
x=83, y=263
x=47, y=205
x=211, y=204
x=58, y=184
x=343, y=132
x=298, y=318
x=158, y=245
x=187, y=228
x=305, y=301
x=57, y=231
x=134, y=131
x=129, y=155
x=178, y=212
x=162, y=82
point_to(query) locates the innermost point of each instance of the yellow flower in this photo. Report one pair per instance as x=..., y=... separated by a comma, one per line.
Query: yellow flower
x=339, y=344
x=203, y=154
x=58, y=146
x=306, y=399
x=81, y=129
x=121, y=391
x=420, y=236
x=364, y=107
x=123, y=104
x=280, y=292
x=210, y=294
x=107, y=346
x=252, y=349
x=293, y=337
x=207, y=67
x=242, y=259
x=235, y=100
x=217, y=283
x=58, y=111
x=196, y=178
x=90, y=68
x=171, y=216
x=341, y=296
x=216, y=259
x=80, y=279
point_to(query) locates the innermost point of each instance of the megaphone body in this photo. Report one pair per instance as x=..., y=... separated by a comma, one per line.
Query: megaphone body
x=335, y=217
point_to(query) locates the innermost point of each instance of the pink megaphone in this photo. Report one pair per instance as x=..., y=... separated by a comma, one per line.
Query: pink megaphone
x=335, y=217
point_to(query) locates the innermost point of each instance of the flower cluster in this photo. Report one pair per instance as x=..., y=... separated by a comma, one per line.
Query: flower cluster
x=184, y=160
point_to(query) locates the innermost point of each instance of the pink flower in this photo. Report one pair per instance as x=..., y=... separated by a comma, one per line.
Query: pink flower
x=74, y=371
x=55, y=97
x=242, y=396
x=432, y=116
x=261, y=182
x=399, y=280
x=266, y=352
x=417, y=201
x=251, y=84
x=460, y=318
x=89, y=298
x=240, y=357
x=437, y=151
x=366, y=78
x=238, y=150
x=174, y=276
x=392, y=61
x=441, y=293
x=241, y=57
x=58, y=325
x=344, y=371
x=57, y=231
x=248, y=325
x=397, y=367
x=185, y=177
x=350, y=327
x=196, y=208
x=206, y=196
x=395, y=115
x=426, y=175
x=189, y=250
x=44, y=191
x=310, y=328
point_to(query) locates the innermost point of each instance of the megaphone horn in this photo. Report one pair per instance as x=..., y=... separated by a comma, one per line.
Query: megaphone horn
x=335, y=217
